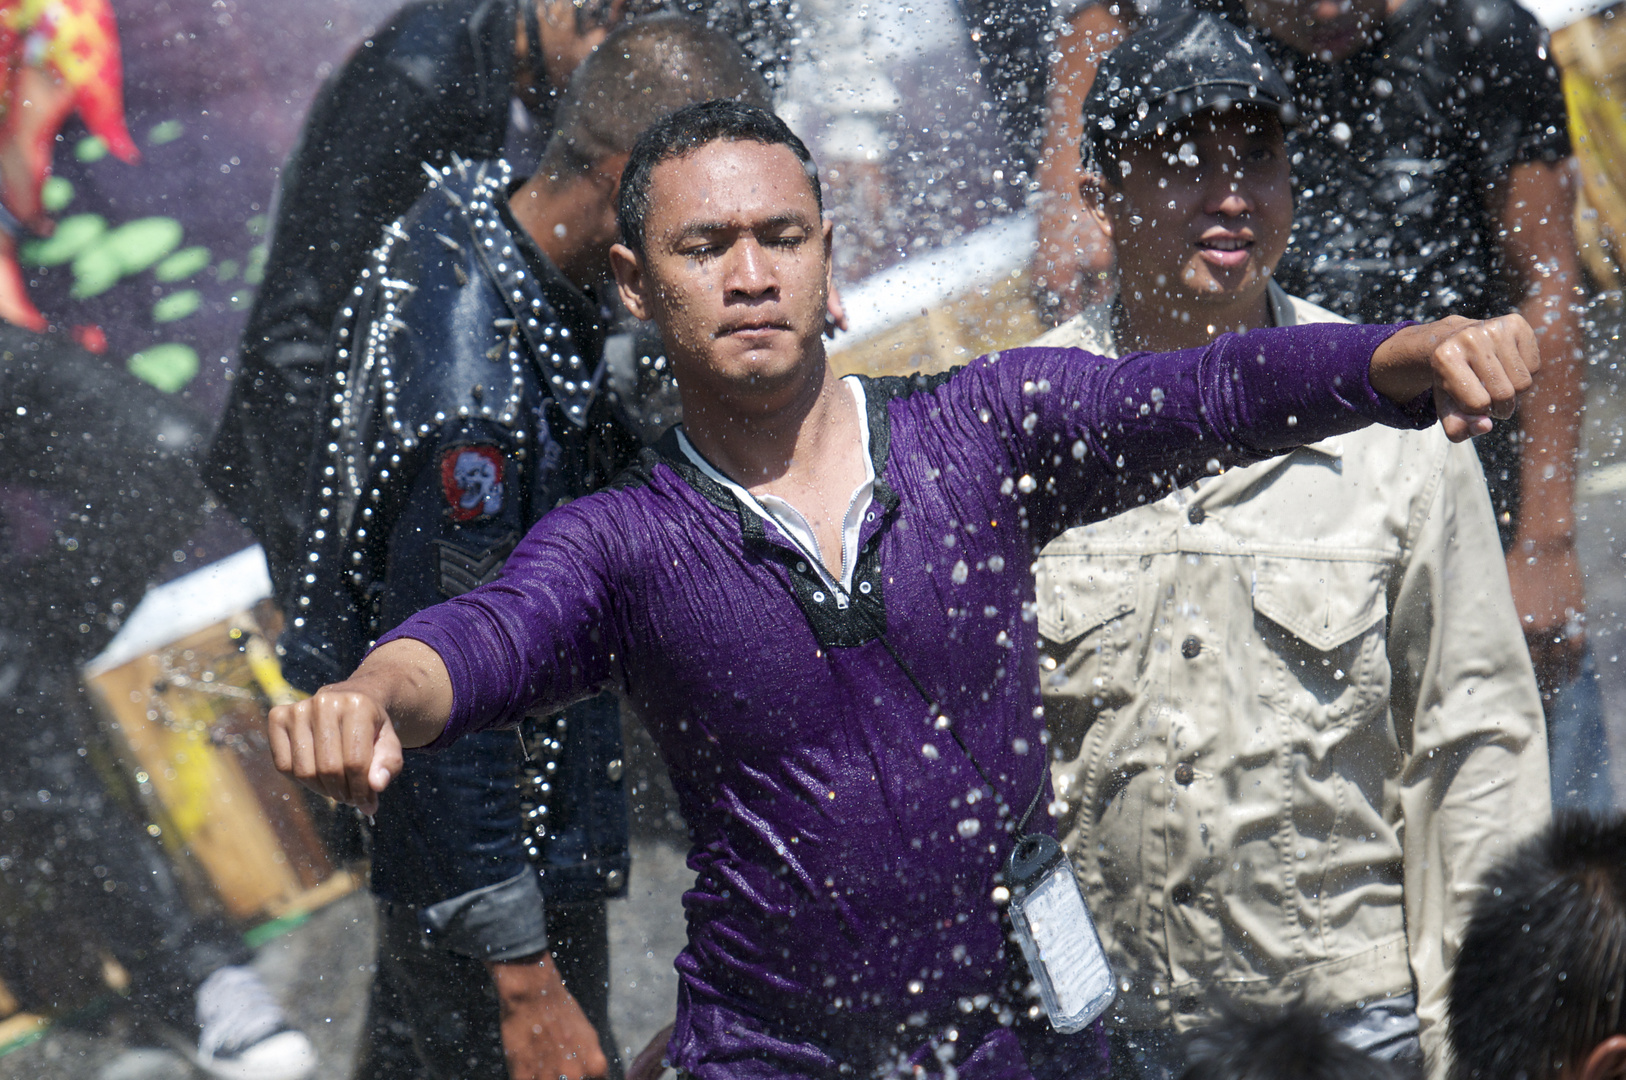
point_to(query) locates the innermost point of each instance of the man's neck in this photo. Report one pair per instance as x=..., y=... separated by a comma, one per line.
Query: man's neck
x=807, y=451
x=1161, y=324
x=760, y=448
x=542, y=207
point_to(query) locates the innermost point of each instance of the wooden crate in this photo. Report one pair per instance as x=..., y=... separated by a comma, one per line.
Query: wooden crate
x=189, y=722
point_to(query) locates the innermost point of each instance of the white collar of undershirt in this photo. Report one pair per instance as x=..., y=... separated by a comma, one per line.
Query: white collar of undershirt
x=790, y=521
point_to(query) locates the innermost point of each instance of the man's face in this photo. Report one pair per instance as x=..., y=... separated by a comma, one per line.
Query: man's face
x=1328, y=30
x=735, y=270
x=1202, y=213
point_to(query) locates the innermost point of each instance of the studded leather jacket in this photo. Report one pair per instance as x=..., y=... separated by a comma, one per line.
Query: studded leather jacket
x=464, y=407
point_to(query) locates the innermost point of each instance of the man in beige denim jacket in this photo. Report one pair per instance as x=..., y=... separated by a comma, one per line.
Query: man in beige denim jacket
x=1291, y=707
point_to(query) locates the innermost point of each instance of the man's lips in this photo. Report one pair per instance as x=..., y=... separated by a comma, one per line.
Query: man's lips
x=754, y=328
x=1225, y=250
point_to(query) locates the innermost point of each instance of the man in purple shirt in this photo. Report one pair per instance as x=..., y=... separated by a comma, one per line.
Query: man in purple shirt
x=818, y=597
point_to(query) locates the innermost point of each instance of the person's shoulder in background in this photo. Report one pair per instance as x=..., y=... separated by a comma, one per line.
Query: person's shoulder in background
x=1090, y=330
x=1493, y=53
x=1299, y=311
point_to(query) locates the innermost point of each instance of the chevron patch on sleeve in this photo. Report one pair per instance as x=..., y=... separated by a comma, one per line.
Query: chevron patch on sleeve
x=464, y=567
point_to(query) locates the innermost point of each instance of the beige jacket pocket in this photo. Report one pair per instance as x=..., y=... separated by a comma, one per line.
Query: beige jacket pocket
x=1324, y=621
x=1079, y=593
x=1087, y=662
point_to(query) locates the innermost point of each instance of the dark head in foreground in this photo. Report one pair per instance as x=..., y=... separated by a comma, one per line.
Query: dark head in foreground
x=1294, y=1046
x=641, y=73
x=1539, y=983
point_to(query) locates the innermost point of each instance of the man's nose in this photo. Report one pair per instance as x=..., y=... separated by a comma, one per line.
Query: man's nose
x=750, y=271
x=1228, y=198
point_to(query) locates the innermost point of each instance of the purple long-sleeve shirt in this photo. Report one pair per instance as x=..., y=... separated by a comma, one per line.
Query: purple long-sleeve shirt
x=845, y=855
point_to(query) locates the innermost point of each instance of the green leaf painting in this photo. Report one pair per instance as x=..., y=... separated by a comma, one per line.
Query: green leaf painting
x=182, y=265
x=128, y=249
x=169, y=366
x=56, y=194
x=90, y=149
x=166, y=132
x=73, y=235
x=176, y=306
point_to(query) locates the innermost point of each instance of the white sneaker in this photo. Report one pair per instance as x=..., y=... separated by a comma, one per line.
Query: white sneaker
x=243, y=1034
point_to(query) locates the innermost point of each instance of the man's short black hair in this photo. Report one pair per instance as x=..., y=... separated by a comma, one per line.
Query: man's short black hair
x=1541, y=977
x=684, y=132
x=1295, y=1045
x=642, y=72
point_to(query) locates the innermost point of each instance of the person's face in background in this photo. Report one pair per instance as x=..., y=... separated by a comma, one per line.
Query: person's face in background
x=569, y=35
x=1200, y=215
x=1328, y=30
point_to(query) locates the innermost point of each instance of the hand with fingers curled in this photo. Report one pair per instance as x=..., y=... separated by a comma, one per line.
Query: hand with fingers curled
x=339, y=742
x=1477, y=369
x=345, y=740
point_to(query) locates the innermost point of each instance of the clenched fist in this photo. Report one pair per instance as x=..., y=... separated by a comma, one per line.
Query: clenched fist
x=345, y=740
x=1477, y=369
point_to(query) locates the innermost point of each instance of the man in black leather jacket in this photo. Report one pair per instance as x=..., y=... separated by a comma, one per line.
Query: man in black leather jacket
x=465, y=405
x=436, y=82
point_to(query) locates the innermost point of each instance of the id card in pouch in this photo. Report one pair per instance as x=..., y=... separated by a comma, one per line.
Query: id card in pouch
x=1057, y=935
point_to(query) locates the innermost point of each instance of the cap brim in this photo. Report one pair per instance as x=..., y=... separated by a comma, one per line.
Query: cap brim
x=1180, y=104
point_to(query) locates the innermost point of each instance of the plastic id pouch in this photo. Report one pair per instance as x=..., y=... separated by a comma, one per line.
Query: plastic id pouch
x=1057, y=935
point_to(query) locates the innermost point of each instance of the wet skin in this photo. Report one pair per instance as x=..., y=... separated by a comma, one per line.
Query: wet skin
x=736, y=271
x=1329, y=30
x=1200, y=216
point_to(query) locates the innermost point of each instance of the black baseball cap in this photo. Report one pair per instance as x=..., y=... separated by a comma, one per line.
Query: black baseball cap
x=1177, y=67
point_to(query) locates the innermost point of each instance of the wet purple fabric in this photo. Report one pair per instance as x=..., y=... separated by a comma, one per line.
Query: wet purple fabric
x=845, y=849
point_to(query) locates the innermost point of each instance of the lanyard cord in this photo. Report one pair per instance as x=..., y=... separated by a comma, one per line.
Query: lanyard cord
x=940, y=719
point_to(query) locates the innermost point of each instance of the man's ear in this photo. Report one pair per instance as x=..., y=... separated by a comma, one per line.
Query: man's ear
x=829, y=254
x=1093, y=192
x=1607, y=1061
x=628, y=269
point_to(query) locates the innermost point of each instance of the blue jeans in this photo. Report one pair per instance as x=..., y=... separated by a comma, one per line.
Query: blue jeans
x=1386, y=1029
x=1577, y=744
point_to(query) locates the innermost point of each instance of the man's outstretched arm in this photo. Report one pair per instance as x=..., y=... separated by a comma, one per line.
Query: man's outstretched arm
x=345, y=740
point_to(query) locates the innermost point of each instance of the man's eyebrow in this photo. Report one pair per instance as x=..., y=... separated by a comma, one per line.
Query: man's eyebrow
x=707, y=228
x=702, y=228
x=789, y=218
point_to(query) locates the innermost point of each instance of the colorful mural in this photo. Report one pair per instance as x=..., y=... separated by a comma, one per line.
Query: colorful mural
x=141, y=202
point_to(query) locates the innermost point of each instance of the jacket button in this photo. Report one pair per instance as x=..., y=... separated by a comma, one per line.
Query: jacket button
x=1190, y=647
x=1184, y=773
x=613, y=770
x=1180, y=895
x=1196, y=515
x=613, y=881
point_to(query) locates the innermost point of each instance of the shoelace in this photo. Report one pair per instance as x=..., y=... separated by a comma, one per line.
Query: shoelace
x=235, y=1010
